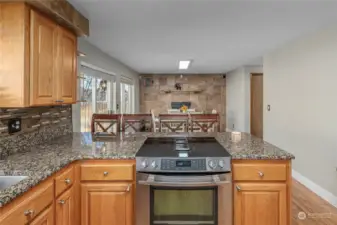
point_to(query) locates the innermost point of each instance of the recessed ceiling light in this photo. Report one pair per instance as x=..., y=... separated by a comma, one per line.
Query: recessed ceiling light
x=184, y=64
x=81, y=54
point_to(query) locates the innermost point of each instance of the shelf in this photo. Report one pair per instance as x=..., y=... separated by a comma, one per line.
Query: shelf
x=178, y=91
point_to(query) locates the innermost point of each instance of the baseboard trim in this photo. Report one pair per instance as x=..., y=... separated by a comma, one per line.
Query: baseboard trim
x=323, y=193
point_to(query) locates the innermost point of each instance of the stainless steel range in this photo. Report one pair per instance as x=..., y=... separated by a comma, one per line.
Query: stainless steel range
x=183, y=180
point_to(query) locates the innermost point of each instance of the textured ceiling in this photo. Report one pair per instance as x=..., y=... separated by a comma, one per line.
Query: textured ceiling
x=151, y=36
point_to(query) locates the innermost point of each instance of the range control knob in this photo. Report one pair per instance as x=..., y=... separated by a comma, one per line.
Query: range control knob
x=154, y=164
x=211, y=164
x=145, y=164
x=221, y=164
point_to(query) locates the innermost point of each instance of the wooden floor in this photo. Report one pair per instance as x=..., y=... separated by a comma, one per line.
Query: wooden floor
x=317, y=211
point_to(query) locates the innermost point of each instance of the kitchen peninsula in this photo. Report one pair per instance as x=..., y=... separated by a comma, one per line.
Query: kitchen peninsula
x=77, y=174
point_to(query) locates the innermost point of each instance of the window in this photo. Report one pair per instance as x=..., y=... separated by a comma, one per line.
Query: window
x=97, y=93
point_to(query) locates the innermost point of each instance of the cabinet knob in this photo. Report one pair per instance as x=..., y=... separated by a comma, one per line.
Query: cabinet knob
x=62, y=202
x=67, y=181
x=261, y=174
x=105, y=173
x=128, y=188
x=28, y=212
x=238, y=188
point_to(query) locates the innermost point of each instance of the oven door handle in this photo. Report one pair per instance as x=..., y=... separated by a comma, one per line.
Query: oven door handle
x=185, y=181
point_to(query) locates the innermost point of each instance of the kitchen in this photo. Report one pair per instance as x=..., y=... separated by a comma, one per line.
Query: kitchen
x=52, y=175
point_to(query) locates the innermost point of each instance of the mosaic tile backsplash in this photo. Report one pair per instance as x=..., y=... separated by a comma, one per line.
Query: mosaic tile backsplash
x=39, y=124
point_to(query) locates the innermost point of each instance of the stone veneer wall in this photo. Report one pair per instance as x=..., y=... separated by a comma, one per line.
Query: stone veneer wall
x=205, y=92
x=39, y=125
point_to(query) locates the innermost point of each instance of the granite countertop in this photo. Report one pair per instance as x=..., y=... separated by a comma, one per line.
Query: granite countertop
x=44, y=160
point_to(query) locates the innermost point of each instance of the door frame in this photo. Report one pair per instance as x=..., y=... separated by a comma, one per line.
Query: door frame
x=250, y=100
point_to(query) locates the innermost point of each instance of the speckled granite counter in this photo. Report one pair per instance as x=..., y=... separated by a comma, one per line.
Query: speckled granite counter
x=44, y=160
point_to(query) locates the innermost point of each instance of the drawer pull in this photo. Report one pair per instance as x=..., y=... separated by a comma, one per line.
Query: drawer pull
x=238, y=188
x=67, y=181
x=28, y=212
x=105, y=173
x=62, y=202
x=261, y=174
x=128, y=188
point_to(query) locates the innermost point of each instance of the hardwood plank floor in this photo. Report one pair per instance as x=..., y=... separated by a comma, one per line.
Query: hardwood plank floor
x=317, y=211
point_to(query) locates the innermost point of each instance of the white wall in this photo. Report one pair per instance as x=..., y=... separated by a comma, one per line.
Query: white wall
x=300, y=84
x=98, y=58
x=238, y=97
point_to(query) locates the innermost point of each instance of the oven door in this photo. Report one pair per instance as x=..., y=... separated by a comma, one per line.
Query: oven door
x=184, y=199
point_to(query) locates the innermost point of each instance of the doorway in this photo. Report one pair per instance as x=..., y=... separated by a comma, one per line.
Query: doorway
x=256, y=104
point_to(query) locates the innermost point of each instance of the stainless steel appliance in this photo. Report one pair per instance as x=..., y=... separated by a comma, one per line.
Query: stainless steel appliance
x=183, y=180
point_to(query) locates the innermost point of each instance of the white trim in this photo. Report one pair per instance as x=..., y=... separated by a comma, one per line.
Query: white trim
x=323, y=193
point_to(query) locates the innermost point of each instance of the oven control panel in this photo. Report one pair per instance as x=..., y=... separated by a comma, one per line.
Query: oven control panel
x=183, y=165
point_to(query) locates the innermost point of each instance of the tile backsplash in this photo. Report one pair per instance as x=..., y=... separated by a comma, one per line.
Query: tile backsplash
x=39, y=124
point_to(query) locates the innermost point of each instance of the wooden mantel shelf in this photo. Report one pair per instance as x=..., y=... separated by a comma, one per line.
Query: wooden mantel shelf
x=181, y=91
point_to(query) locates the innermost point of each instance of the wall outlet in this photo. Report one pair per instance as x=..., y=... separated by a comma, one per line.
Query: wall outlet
x=268, y=107
x=233, y=125
x=14, y=125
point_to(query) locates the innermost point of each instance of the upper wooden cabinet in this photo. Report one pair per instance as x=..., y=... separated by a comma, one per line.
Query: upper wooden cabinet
x=67, y=79
x=38, y=59
x=43, y=60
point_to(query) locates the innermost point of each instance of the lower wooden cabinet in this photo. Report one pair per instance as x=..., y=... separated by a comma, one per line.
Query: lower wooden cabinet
x=65, y=208
x=106, y=204
x=260, y=203
x=45, y=218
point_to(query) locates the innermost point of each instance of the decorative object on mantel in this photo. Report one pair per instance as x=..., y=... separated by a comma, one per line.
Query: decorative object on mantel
x=183, y=108
x=178, y=86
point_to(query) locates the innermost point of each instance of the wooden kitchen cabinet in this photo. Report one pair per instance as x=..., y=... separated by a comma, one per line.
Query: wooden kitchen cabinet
x=65, y=208
x=106, y=203
x=45, y=218
x=260, y=204
x=43, y=60
x=262, y=192
x=39, y=65
x=67, y=73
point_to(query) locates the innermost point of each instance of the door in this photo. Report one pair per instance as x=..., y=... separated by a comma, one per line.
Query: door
x=184, y=199
x=67, y=74
x=260, y=204
x=65, y=211
x=43, y=62
x=256, y=105
x=45, y=218
x=97, y=95
x=127, y=98
x=106, y=204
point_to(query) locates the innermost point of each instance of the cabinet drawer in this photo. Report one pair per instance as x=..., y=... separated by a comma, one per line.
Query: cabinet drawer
x=64, y=181
x=106, y=172
x=28, y=209
x=263, y=172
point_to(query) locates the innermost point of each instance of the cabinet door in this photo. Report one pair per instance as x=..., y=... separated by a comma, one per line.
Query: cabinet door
x=260, y=204
x=67, y=71
x=45, y=218
x=43, y=60
x=65, y=208
x=106, y=204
